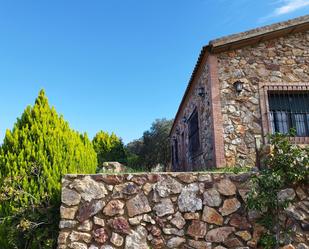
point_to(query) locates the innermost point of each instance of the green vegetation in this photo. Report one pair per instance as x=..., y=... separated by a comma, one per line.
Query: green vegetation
x=234, y=170
x=109, y=148
x=41, y=148
x=35, y=154
x=287, y=165
x=152, y=148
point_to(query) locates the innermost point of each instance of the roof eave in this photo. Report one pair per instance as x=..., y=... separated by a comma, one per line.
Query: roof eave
x=251, y=40
x=200, y=57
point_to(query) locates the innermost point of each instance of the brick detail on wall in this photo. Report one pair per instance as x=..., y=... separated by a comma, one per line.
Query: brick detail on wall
x=263, y=91
x=219, y=158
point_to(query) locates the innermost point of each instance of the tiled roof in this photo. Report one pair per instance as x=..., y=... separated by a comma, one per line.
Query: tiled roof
x=290, y=24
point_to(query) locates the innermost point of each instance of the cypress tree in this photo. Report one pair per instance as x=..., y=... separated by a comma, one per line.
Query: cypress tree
x=35, y=154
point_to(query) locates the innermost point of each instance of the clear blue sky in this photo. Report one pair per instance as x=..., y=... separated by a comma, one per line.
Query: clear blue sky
x=114, y=65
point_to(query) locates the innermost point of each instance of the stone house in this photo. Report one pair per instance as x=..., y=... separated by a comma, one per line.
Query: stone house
x=243, y=87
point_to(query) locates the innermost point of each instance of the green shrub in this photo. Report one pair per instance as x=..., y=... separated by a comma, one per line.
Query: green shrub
x=133, y=161
x=39, y=150
x=109, y=148
x=287, y=166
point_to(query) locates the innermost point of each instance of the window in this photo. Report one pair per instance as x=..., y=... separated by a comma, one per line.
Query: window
x=175, y=158
x=289, y=109
x=194, y=140
x=176, y=151
x=183, y=152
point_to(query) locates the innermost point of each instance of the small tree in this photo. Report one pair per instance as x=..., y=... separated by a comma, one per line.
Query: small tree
x=287, y=165
x=154, y=147
x=35, y=154
x=108, y=148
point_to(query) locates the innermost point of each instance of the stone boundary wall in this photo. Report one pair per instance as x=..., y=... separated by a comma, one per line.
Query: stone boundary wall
x=167, y=210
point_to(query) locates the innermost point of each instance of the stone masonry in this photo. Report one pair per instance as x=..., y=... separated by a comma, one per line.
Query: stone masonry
x=202, y=106
x=168, y=210
x=283, y=60
x=232, y=125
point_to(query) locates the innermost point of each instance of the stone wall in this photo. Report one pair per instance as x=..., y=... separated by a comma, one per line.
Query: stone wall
x=203, y=159
x=167, y=210
x=282, y=60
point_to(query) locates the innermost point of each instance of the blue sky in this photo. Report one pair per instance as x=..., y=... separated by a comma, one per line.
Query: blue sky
x=114, y=65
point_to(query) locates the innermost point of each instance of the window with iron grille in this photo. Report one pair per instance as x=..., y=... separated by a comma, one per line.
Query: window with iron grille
x=289, y=110
x=194, y=140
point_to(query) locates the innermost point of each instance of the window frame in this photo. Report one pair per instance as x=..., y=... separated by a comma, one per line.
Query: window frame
x=173, y=156
x=196, y=152
x=264, y=89
x=176, y=151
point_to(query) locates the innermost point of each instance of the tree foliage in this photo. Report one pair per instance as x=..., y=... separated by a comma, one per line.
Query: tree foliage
x=153, y=148
x=287, y=165
x=35, y=154
x=109, y=148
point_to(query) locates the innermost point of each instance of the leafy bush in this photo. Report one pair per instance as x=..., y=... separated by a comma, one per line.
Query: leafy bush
x=287, y=165
x=153, y=148
x=39, y=150
x=133, y=161
x=109, y=148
